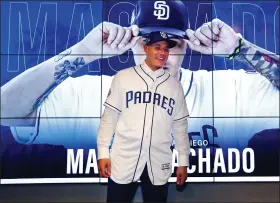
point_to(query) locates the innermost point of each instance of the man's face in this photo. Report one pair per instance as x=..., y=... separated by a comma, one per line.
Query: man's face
x=157, y=54
x=174, y=61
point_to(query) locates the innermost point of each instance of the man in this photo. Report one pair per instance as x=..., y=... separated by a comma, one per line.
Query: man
x=55, y=94
x=143, y=107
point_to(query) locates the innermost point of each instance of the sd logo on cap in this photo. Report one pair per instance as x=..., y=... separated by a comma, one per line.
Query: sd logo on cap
x=170, y=17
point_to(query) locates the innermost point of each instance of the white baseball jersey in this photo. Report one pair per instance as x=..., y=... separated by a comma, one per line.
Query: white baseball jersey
x=69, y=116
x=228, y=107
x=149, y=103
x=244, y=104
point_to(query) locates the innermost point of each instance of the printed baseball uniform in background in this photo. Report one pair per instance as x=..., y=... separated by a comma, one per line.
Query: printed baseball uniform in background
x=242, y=104
x=236, y=94
x=69, y=116
x=218, y=94
x=149, y=103
x=227, y=107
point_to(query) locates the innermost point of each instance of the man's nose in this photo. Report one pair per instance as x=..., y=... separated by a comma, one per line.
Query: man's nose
x=162, y=55
x=162, y=52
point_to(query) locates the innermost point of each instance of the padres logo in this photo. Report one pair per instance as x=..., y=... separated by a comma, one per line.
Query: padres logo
x=161, y=10
x=163, y=35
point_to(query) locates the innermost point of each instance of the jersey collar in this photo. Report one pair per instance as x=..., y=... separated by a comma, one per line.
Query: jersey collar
x=153, y=74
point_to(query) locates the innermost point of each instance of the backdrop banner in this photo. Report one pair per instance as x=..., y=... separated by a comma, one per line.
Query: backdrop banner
x=234, y=110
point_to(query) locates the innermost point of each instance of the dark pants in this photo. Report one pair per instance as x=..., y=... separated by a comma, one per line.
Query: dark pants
x=125, y=192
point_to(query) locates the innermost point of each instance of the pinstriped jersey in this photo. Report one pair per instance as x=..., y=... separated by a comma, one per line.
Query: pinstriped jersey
x=148, y=106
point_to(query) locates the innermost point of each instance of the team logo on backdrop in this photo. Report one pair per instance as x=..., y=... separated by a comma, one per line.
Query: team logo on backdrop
x=161, y=10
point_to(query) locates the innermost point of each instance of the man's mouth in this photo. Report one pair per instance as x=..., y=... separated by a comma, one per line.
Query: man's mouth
x=160, y=58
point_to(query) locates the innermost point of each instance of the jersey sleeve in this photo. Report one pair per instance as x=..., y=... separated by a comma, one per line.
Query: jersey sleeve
x=62, y=117
x=181, y=111
x=113, y=100
x=180, y=128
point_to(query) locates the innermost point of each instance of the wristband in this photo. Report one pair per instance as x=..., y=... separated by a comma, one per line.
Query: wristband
x=237, y=50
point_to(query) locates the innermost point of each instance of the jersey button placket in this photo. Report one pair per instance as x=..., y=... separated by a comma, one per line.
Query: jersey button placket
x=153, y=85
x=150, y=112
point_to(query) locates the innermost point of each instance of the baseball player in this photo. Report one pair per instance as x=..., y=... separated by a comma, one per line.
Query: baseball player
x=143, y=107
x=49, y=106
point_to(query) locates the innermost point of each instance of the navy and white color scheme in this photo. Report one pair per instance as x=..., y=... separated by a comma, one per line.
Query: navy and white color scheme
x=149, y=103
x=231, y=107
x=168, y=16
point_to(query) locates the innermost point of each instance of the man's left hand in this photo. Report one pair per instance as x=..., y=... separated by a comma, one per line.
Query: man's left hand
x=215, y=37
x=182, y=175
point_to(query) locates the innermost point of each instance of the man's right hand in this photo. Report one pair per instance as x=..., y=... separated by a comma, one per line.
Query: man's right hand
x=108, y=39
x=104, y=167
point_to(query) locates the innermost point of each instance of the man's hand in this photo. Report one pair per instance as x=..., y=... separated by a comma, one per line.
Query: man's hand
x=182, y=175
x=214, y=37
x=104, y=167
x=109, y=39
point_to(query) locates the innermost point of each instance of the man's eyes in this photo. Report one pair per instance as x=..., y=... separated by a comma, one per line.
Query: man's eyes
x=165, y=49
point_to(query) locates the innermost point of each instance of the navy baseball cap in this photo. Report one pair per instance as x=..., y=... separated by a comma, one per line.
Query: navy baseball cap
x=169, y=16
x=157, y=36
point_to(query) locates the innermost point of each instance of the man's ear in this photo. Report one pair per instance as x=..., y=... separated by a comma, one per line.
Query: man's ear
x=146, y=47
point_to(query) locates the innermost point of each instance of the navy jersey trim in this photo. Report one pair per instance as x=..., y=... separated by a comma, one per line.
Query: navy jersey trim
x=113, y=107
x=190, y=86
x=180, y=77
x=146, y=73
x=152, y=128
x=161, y=75
x=143, y=127
x=181, y=118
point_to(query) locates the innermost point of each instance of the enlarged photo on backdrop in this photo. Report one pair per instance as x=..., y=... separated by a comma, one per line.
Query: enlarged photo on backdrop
x=58, y=65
